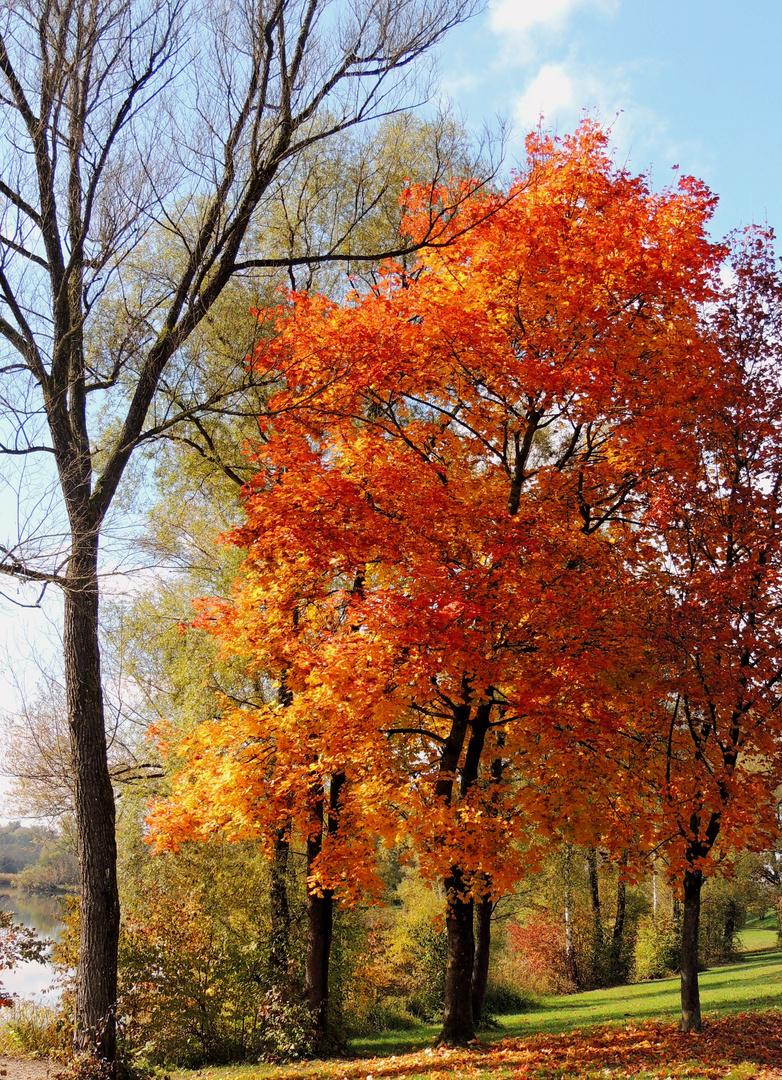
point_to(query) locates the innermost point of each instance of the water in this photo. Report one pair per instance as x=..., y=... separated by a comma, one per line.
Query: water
x=31, y=980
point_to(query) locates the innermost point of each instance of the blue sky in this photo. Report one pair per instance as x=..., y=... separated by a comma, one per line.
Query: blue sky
x=696, y=83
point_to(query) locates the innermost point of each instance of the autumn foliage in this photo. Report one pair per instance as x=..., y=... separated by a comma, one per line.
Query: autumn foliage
x=480, y=545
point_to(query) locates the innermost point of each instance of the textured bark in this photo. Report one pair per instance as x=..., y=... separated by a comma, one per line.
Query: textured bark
x=480, y=967
x=619, y=922
x=320, y=917
x=279, y=953
x=320, y=923
x=571, y=964
x=690, y=991
x=594, y=894
x=458, y=1028
x=617, y=935
x=96, y=988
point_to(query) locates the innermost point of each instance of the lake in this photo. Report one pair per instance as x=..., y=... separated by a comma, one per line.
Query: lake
x=32, y=980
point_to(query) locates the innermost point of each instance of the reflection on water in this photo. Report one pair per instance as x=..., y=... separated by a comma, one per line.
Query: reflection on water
x=33, y=980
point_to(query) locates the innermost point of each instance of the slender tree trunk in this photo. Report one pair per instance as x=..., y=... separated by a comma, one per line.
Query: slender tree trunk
x=690, y=991
x=96, y=985
x=571, y=965
x=594, y=894
x=320, y=917
x=598, y=976
x=617, y=936
x=458, y=1028
x=279, y=953
x=676, y=910
x=320, y=924
x=480, y=967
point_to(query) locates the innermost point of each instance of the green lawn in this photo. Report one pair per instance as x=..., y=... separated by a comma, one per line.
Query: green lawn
x=754, y=983
x=757, y=939
x=770, y=921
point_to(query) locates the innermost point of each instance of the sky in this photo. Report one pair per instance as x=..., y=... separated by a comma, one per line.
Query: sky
x=693, y=83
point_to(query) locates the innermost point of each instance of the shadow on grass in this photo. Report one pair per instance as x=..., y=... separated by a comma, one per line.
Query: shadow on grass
x=751, y=983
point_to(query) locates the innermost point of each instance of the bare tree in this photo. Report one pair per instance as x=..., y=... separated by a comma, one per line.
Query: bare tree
x=165, y=126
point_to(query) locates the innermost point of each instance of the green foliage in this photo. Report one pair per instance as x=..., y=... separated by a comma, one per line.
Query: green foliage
x=657, y=948
x=195, y=983
x=20, y=846
x=428, y=961
x=504, y=999
x=723, y=914
x=56, y=870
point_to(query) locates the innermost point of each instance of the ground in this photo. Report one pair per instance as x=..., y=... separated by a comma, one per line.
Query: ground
x=26, y=1068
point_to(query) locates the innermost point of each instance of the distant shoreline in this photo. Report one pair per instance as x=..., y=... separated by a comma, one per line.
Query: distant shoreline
x=10, y=887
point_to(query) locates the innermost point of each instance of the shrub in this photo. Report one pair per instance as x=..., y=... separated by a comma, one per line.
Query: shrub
x=430, y=943
x=657, y=949
x=538, y=959
x=503, y=999
x=723, y=914
x=31, y=1030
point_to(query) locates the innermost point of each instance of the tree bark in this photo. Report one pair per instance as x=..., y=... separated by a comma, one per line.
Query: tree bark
x=96, y=987
x=480, y=967
x=320, y=925
x=621, y=911
x=594, y=894
x=690, y=991
x=617, y=936
x=279, y=952
x=458, y=1028
x=571, y=964
x=320, y=916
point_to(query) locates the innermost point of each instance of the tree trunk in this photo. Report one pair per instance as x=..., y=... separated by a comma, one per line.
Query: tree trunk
x=617, y=936
x=96, y=984
x=280, y=909
x=571, y=965
x=458, y=1028
x=320, y=917
x=690, y=992
x=621, y=910
x=480, y=967
x=320, y=925
x=594, y=894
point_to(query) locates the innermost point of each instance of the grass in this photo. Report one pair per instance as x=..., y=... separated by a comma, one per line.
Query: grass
x=769, y=921
x=750, y=984
x=565, y=1037
x=755, y=939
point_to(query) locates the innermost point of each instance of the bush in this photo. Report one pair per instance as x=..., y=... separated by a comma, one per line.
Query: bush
x=538, y=960
x=503, y=999
x=30, y=1030
x=723, y=914
x=657, y=949
x=426, y=1001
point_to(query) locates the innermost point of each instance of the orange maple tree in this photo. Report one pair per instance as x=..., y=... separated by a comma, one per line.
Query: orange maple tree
x=442, y=532
x=713, y=577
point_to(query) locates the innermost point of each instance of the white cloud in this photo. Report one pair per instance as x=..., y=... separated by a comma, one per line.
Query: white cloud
x=562, y=92
x=522, y=16
x=552, y=93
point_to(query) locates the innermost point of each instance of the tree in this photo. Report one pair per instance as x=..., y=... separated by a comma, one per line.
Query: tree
x=113, y=140
x=714, y=623
x=434, y=570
